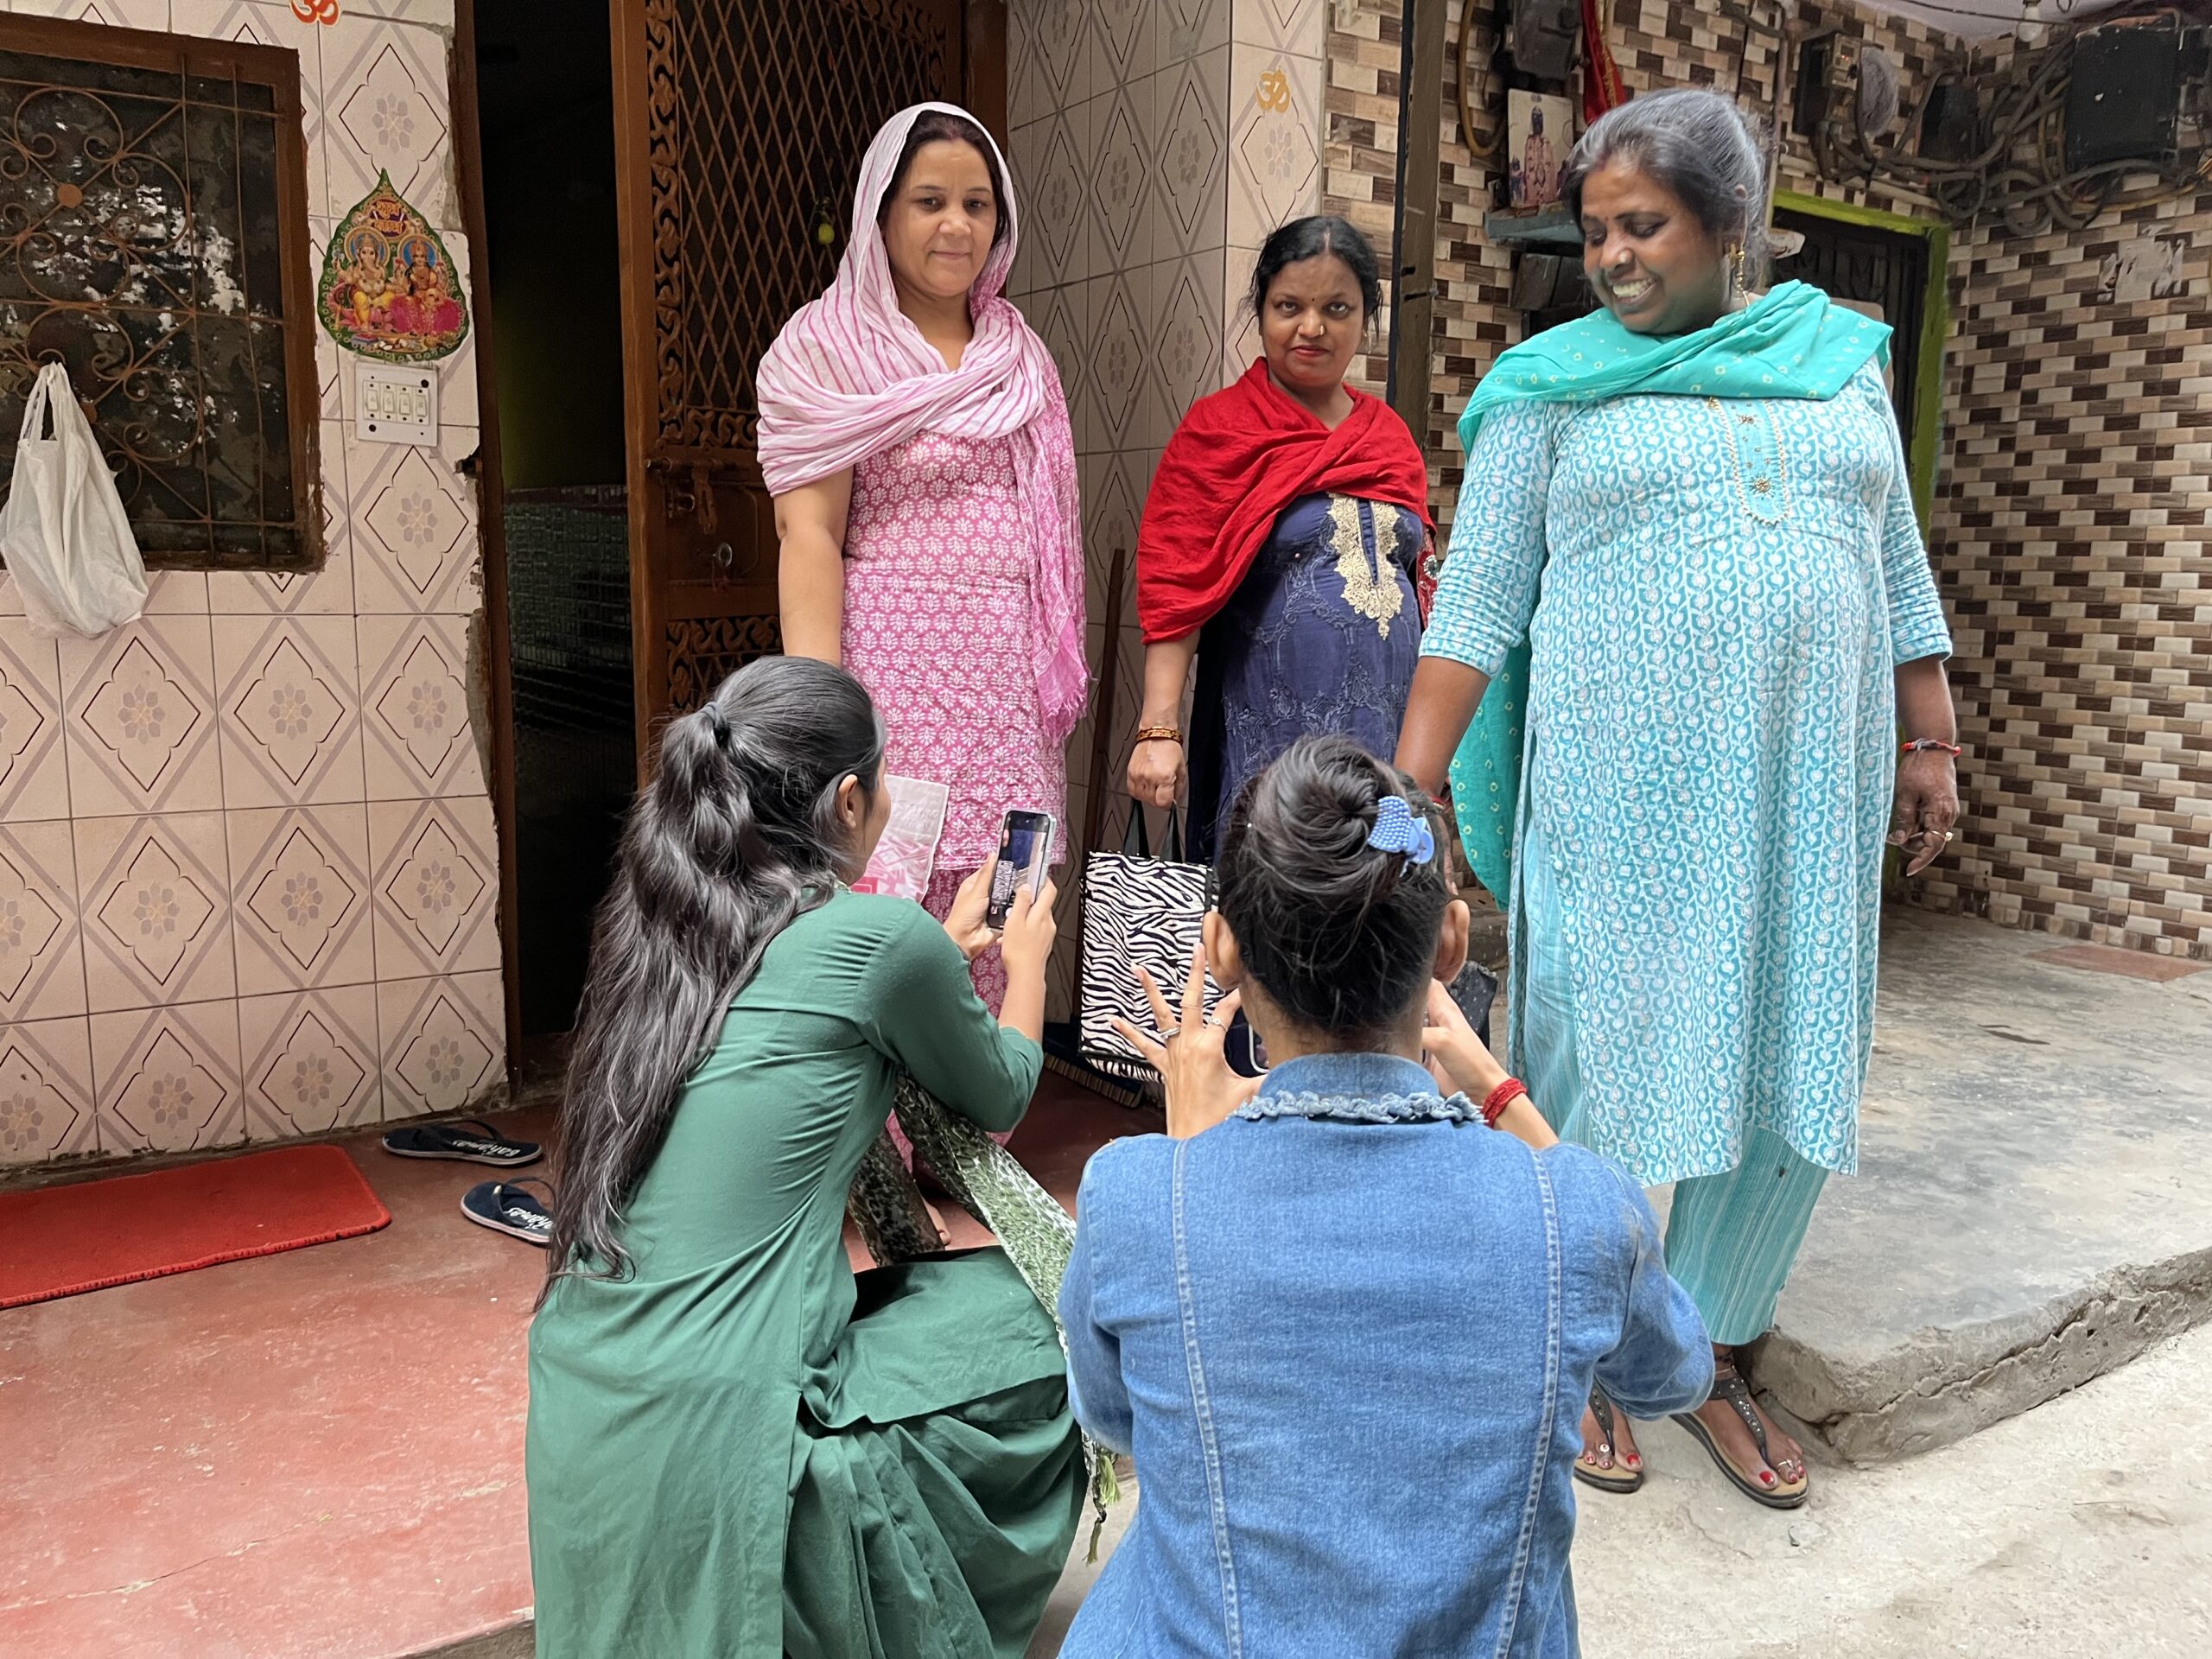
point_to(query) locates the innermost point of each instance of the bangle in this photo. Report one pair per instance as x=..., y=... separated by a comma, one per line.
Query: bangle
x=1914, y=745
x=1498, y=1099
x=1159, y=734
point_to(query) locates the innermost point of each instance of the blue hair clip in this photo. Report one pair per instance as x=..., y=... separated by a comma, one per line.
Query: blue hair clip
x=1397, y=830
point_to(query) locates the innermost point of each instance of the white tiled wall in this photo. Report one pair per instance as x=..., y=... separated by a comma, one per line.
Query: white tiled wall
x=248, y=879
x=1154, y=144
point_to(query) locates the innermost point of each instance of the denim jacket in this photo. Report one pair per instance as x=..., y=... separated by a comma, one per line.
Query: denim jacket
x=1347, y=1336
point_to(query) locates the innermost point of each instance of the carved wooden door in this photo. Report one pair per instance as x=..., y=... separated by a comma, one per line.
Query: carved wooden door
x=738, y=130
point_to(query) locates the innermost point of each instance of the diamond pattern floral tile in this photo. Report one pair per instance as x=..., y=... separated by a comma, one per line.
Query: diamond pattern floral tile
x=300, y=882
x=1193, y=101
x=141, y=718
x=1121, y=178
x=384, y=109
x=437, y=876
x=1240, y=329
x=155, y=898
x=1053, y=202
x=1190, y=28
x=168, y=1078
x=1274, y=146
x=416, y=708
x=1062, y=320
x=1117, y=363
x=310, y=1062
x=1124, y=39
x=327, y=592
x=121, y=14
x=290, y=709
x=1299, y=26
x=414, y=523
x=441, y=1045
x=41, y=953
x=1185, y=363
x=1061, y=45
x=34, y=762
x=46, y=1091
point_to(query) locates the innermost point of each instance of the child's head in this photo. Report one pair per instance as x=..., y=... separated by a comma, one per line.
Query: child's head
x=1334, y=930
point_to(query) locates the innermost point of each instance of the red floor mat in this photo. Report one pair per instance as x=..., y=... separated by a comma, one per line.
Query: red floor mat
x=56, y=1241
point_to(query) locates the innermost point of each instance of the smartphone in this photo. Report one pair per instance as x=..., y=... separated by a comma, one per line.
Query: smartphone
x=1025, y=853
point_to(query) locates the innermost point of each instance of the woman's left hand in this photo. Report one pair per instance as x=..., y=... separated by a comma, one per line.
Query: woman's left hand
x=964, y=922
x=1927, y=807
x=1190, y=1052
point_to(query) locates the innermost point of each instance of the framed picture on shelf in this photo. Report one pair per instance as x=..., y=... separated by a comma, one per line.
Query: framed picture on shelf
x=1539, y=131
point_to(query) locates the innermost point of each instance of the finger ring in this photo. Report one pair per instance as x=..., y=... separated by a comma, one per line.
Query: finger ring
x=1946, y=835
x=1171, y=1033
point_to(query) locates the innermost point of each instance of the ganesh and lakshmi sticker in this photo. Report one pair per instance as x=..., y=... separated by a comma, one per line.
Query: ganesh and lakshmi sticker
x=390, y=290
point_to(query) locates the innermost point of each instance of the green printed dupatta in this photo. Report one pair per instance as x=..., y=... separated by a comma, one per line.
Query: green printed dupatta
x=1790, y=342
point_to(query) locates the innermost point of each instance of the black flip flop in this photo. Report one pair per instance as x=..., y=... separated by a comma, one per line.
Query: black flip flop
x=1728, y=1385
x=507, y=1207
x=1615, y=1479
x=473, y=1141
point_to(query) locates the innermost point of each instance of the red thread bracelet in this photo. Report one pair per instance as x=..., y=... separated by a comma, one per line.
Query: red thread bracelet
x=1916, y=745
x=1498, y=1099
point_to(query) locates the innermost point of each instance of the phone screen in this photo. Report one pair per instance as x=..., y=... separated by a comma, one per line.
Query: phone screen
x=1025, y=851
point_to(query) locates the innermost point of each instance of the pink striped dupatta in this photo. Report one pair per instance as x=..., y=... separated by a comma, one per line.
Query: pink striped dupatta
x=851, y=376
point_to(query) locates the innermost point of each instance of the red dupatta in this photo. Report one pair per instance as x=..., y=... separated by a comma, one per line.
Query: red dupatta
x=1239, y=457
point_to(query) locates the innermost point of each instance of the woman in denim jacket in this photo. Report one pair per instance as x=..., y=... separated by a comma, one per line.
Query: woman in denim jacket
x=1346, y=1330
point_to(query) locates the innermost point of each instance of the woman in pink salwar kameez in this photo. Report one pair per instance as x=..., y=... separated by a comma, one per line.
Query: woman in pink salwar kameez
x=915, y=437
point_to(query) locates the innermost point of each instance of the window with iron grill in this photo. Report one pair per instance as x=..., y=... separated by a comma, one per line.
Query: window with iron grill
x=154, y=240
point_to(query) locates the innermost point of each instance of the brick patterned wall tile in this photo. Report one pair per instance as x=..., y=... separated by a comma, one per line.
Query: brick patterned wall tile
x=2068, y=532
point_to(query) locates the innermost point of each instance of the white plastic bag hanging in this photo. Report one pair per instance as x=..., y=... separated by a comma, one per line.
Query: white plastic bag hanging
x=63, y=531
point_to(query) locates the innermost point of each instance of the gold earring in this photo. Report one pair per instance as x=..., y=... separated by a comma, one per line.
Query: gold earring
x=1738, y=278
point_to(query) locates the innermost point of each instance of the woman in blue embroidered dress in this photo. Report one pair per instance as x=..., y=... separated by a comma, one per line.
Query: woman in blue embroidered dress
x=1283, y=544
x=1346, y=1329
x=1735, y=623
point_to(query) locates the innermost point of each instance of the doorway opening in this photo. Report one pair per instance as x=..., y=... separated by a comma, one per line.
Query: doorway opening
x=546, y=95
x=1892, y=269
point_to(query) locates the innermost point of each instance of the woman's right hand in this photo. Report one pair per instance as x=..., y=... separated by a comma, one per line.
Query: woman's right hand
x=1156, y=774
x=1190, y=1052
x=1451, y=1041
x=1026, y=942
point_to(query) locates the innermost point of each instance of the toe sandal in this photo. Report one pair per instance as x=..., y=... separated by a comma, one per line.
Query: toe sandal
x=473, y=1142
x=1616, y=1478
x=1728, y=1385
x=507, y=1207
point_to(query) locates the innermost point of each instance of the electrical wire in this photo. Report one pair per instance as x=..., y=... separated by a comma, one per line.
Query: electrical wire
x=2019, y=174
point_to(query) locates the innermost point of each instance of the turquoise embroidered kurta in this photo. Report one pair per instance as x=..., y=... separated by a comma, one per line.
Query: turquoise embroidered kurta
x=1726, y=587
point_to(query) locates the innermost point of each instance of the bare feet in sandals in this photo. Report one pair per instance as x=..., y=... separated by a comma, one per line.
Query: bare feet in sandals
x=1609, y=1460
x=1750, y=1448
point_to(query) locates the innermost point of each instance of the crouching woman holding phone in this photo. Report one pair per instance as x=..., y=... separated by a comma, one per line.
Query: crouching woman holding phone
x=1346, y=1328
x=737, y=1445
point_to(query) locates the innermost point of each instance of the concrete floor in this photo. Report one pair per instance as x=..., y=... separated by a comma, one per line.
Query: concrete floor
x=2080, y=1530
x=2034, y=1201
x=314, y=1455
x=318, y=1453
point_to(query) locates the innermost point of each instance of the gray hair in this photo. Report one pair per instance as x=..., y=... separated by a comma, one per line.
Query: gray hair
x=1698, y=144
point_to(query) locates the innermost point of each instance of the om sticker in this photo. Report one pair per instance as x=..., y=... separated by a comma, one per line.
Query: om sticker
x=390, y=290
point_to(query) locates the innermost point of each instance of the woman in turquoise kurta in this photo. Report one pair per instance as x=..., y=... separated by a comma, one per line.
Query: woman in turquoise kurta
x=736, y=1445
x=1694, y=509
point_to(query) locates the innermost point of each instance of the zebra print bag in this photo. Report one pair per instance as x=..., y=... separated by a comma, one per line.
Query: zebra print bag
x=1138, y=910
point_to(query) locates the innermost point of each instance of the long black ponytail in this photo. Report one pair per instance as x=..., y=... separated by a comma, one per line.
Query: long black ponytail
x=736, y=834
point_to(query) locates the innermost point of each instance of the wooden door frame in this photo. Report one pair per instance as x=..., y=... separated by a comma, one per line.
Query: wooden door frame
x=983, y=81
x=1923, y=444
x=491, y=495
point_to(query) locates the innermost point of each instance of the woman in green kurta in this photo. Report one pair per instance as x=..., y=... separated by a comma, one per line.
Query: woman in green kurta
x=737, y=1447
